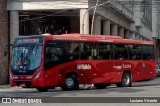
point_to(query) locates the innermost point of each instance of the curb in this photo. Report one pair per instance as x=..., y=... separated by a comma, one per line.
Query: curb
x=4, y=86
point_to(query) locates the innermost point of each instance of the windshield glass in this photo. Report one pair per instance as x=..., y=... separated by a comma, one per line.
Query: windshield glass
x=26, y=58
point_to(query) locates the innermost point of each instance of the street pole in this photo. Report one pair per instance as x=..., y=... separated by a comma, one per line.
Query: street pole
x=92, y=25
x=90, y=9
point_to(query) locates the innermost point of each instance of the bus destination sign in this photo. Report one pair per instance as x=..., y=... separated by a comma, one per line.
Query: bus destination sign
x=28, y=40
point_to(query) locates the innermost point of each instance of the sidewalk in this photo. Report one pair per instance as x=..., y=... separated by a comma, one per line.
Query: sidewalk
x=4, y=86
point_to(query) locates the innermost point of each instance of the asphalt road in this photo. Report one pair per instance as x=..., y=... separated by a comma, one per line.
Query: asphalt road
x=146, y=88
x=149, y=88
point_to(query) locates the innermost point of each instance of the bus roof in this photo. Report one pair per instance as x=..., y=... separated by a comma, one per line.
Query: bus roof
x=91, y=38
x=97, y=38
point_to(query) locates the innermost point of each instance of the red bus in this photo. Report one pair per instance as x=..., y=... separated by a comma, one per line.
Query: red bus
x=48, y=61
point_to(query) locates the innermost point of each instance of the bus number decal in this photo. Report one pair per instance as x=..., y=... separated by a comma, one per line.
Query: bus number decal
x=126, y=66
x=83, y=66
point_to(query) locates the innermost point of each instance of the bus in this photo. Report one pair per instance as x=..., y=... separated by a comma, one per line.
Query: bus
x=68, y=60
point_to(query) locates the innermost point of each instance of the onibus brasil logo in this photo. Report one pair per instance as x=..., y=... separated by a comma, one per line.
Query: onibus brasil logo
x=21, y=100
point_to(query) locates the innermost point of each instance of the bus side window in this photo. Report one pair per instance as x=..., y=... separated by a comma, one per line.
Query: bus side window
x=147, y=52
x=72, y=50
x=88, y=51
x=94, y=51
x=47, y=55
x=134, y=52
x=54, y=54
x=120, y=52
x=104, y=51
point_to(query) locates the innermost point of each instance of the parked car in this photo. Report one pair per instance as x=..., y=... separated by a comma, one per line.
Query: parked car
x=157, y=70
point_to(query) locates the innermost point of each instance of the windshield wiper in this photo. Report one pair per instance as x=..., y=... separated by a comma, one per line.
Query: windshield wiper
x=26, y=57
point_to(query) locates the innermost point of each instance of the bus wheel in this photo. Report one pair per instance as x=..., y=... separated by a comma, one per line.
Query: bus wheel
x=100, y=86
x=126, y=81
x=42, y=89
x=71, y=83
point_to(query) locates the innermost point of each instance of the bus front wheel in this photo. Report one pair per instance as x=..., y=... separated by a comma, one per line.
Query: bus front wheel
x=71, y=83
x=126, y=81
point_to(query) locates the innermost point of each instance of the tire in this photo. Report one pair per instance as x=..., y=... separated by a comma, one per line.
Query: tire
x=126, y=81
x=71, y=83
x=100, y=85
x=42, y=89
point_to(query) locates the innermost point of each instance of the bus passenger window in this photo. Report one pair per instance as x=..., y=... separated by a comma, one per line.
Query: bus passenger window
x=54, y=53
x=72, y=50
x=147, y=52
x=120, y=52
x=53, y=56
x=47, y=55
x=88, y=51
x=134, y=52
x=104, y=51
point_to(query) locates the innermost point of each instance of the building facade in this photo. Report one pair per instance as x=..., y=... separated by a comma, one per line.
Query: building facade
x=3, y=42
x=125, y=18
x=156, y=26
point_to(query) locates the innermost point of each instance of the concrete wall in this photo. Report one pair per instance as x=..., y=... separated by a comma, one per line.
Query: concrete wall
x=3, y=42
x=155, y=21
x=46, y=5
x=114, y=17
x=140, y=21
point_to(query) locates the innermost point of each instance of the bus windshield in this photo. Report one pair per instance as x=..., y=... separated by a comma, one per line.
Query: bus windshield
x=26, y=58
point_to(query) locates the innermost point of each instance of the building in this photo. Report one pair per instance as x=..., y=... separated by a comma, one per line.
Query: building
x=130, y=19
x=156, y=26
x=28, y=17
x=124, y=18
x=143, y=18
x=3, y=42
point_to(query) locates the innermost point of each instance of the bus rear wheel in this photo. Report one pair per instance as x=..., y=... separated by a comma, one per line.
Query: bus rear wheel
x=100, y=85
x=42, y=89
x=71, y=83
x=126, y=81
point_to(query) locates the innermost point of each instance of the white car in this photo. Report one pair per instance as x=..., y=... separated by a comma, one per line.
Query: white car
x=157, y=70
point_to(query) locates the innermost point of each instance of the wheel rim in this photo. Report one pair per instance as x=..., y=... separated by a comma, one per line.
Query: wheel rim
x=126, y=80
x=69, y=82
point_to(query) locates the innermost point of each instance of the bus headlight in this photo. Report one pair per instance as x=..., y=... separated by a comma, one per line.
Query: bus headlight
x=38, y=74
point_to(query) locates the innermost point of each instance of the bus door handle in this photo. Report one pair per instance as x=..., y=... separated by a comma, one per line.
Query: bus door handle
x=144, y=65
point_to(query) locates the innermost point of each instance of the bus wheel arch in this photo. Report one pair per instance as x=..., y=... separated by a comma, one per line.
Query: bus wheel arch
x=126, y=79
x=71, y=81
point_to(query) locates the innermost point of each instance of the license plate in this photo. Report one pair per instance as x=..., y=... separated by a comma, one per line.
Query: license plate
x=22, y=85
